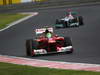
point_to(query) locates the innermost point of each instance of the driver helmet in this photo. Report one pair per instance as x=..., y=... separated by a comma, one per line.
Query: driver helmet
x=48, y=35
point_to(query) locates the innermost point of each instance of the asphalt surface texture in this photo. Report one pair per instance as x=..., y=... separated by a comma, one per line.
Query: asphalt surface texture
x=85, y=39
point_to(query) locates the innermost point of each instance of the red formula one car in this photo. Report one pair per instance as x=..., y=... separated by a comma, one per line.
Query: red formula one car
x=47, y=42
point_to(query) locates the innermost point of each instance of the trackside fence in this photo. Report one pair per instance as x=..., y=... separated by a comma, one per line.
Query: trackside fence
x=45, y=3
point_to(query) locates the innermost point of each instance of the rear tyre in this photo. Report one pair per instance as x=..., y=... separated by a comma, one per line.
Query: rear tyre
x=29, y=47
x=76, y=20
x=80, y=20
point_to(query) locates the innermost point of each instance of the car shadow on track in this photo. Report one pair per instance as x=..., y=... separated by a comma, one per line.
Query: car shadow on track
x=54, y=54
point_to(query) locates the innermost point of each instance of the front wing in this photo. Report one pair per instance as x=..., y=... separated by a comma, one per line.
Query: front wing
x=43, y=51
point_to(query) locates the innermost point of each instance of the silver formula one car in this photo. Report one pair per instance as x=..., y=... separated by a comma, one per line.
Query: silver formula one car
x=71, y=20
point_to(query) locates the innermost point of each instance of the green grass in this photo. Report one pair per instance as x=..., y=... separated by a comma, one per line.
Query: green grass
x=12, y=69
x=8, y=18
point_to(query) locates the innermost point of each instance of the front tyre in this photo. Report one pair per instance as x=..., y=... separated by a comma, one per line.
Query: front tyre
x=57, y=21
x=68, y=42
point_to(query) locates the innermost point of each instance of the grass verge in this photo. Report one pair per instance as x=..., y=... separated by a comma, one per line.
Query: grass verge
x=8, y=18
x=12, y=69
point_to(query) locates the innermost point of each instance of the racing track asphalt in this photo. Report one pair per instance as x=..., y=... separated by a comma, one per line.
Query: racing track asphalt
x=85, y=39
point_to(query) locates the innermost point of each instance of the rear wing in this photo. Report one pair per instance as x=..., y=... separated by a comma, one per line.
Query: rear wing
x=40, y=31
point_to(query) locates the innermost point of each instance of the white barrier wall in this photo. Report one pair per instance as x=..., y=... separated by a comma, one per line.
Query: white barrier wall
x=6, y=2
x=23, y=1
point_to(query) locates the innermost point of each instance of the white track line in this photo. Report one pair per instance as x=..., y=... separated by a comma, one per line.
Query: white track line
x=50, y=64
x=20, y=20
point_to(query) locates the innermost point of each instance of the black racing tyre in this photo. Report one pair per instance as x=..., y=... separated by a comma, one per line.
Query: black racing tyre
x=61, y=22
x=67, y=24
x=57, y=21
x=67, y=41
x=80, y=20
x=64, y=24
x=29, y=47
x=76, y=20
